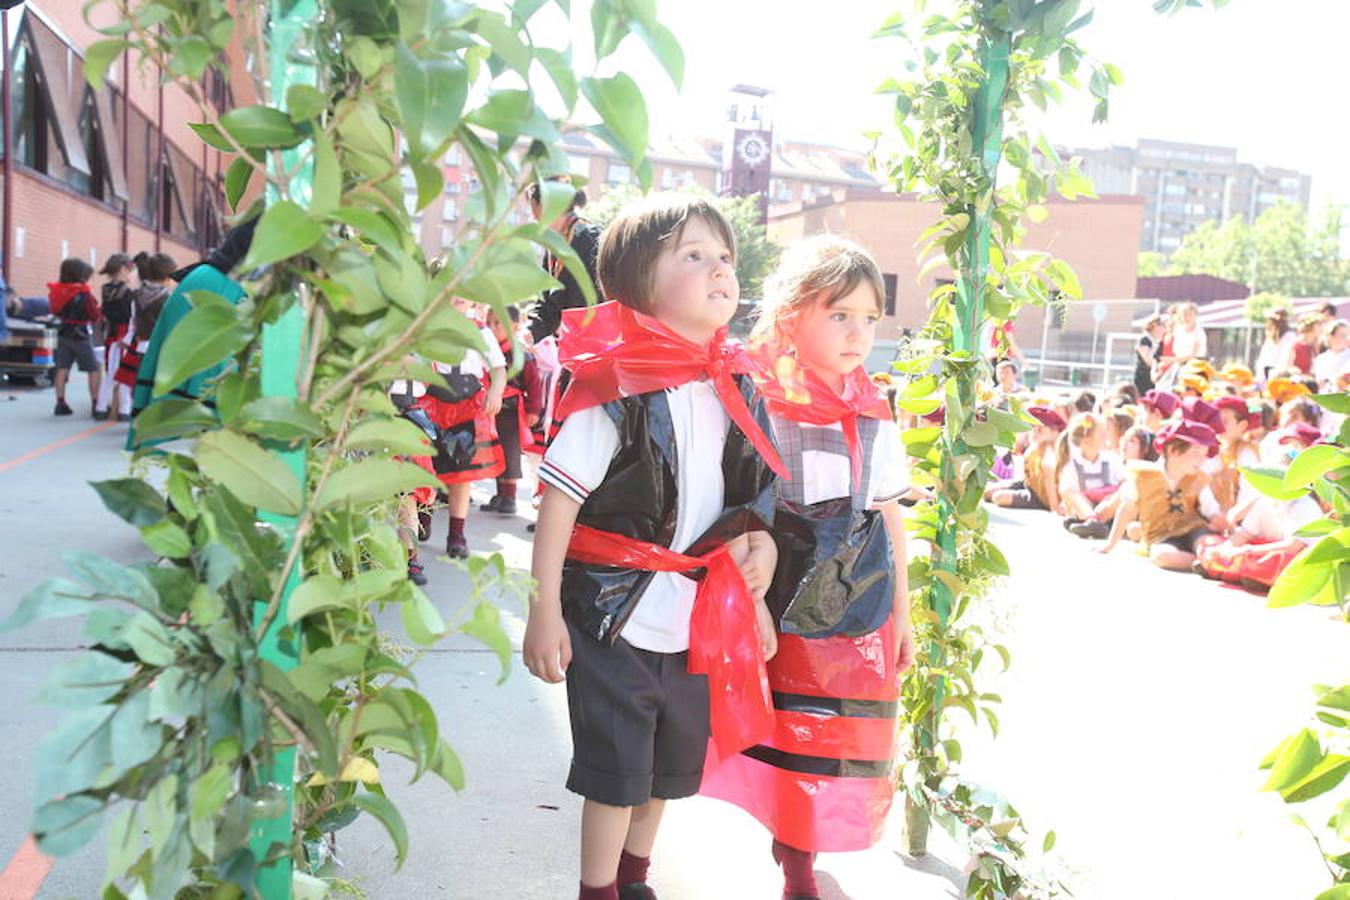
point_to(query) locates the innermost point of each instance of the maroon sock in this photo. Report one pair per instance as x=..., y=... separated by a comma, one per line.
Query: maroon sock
x=506, y=490
x=633, y=869
x=456, y=527
x=608, y=892
x=799, y=870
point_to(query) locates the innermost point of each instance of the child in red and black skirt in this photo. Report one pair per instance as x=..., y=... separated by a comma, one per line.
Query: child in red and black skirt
x=465, y=407
x=823, y=780
x=147, y=302
x=116, y=304
x=522, y=407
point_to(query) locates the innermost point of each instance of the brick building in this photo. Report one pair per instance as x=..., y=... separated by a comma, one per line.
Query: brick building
x=1185, y=184
x=1098, y=238
x=89, y=173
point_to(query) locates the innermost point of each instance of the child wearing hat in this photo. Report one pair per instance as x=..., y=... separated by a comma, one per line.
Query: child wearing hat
x=1169, y=499
x=1158, y=407
x=1037, y=488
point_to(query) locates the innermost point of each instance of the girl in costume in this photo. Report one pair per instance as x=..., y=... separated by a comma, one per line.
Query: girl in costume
x=1037, y=488
x=1085, y=472
x=839, y=597
x=147, y=302
x=466, y=413
x=116, y=304
x=1165, y=498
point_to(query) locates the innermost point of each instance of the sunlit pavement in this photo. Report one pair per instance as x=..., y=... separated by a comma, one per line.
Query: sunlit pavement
x=1137, y=707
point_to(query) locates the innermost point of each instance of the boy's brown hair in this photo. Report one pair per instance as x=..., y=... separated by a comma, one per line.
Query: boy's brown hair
x=75, y=271
x=632, y=243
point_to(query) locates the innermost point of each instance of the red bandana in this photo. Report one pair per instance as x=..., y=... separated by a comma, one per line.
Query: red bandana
x=795, y=392
x=723, y=636
x=60, y=293
x=613, y=351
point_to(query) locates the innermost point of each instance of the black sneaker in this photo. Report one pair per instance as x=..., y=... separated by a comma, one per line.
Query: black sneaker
x=457, y=547
x=638, y=890
x=1092, y=530
x=124, y=417
x=63, y=409
x=530, y=528
x=415, y=573
x=492, y=505
x=423, y=524
x=505, y=506
x=100, y=415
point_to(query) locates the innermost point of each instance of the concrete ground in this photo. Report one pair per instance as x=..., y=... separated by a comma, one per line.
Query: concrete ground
x=1137, y=707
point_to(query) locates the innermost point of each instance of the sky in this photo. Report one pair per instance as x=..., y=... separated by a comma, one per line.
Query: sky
x=1264, y=76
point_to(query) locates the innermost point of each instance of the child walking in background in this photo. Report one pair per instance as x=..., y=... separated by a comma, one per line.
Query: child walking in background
x=111, y=329
x=662, y=467
x=72, y=302
x=466, y=412
x=522, y=406
x=147, y=302
x=839, y=596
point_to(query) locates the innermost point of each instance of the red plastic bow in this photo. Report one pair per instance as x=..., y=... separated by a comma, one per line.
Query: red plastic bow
x=723, y=635
x=614, y=351
x=797, y=393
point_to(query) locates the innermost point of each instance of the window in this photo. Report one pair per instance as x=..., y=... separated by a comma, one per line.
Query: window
x=451, y=210
x=452, y=186
x=667, y=178
x=454, y=156
x=619, y=173
x=1175, y=190
x=1169, y=242
x=1196, y=209
x=579, y=165
x=890, y=281
x=30, y=132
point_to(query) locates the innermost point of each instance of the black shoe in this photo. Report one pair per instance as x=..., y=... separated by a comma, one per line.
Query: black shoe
x=1097, y=531
x=100, y=415
x=415, y=573
x=63, y=409
x=638, y=890
x=506, y=506
x=492, y=505
x=423, y=524
x=1069, y=523
x=124, y=417
x=530, y=528
x=456, y=547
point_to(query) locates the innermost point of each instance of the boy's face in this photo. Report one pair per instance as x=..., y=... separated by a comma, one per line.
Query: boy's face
x=836, y=337
x=1233, y=427
x=1007, y=377
x=1190, y=460
x=694, y=288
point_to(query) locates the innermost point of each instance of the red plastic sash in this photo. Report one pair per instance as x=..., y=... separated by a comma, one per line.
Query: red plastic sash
x=614, y=351
x=723, y=635
x=797, y=393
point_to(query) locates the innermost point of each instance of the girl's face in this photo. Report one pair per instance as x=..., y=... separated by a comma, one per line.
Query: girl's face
x=1091, y=445
x=834, y=339
x=1133, y=448
x=1233, y=427
x=1189, y=460
x=694, y=288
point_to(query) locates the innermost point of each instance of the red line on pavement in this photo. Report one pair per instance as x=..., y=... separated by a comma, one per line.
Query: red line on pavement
x=25, y=873
x=43, y=451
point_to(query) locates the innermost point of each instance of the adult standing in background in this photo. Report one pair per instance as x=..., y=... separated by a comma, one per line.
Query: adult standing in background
x=1146, y=353
x=1279, y=338
x=584, y=238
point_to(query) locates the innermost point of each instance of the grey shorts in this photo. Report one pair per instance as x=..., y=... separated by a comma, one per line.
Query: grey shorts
x=639, y=723
x=76, y=351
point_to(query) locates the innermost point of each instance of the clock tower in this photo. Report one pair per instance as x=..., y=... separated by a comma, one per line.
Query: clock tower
x=747, y=152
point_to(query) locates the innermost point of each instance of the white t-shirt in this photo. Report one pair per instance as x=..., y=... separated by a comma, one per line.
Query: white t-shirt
x=827, y=475
x=1271, y=357
x=474, y=363
x=1188, y=343
x=1276, y=520
x=1329, y=365
x=579, y=457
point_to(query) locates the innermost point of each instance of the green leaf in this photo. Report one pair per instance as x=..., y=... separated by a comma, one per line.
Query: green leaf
x=304, y=713
x=285, y=230
x=1336, y=698
x=136, y=738
x=64, y=826
x=261, y=127
x=99, y=57
x=90, y=678
x=431, y=95
x=392, y=435
x=208, y=335
x=256, y=476
x=149, y=640
x=1313, y=463
x=486, y=628
x=1338, y=892
x=131, y=500
x=421, y=619
x=1337, y=403
x=506, y=272
x=607, y=27
x=318, y=593
x=666, y=48
x=1323, y=777
x=111, y=579
x=304, y=101
x=384, y=810
x=1295, y=759
x=71, y=757
x=365, y=56
x=430, y=181
x=446, y=764
x=1269, y=480
x=373, y=226
x=1049, y=843
x=326, y=192
x=511, y=113
x=372, y=480
x=283, y=419
x=212, y=137
x=558, y=65
x=167, y=538
x=980, y=434
x=236, y=180
x=192, y=54
x=1300, y=582
x=504, y=40
x=53, y=599
x=623, y=111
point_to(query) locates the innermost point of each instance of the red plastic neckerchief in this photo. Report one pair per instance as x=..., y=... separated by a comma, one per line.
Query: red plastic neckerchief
x=59, y=293
x=797, y=393
x=613, y=351
x=723, y=635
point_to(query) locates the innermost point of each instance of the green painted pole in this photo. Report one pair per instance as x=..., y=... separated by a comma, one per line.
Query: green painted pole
x=282, y=351
x=987, y=142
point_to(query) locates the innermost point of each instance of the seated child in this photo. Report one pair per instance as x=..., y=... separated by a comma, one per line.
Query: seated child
x=1164, y=498
x=1036, y=489
x=1158, y=408
x=1085, y=472
x=1137, y=444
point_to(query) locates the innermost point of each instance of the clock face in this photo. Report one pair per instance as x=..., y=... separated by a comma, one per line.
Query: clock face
x=753, y=149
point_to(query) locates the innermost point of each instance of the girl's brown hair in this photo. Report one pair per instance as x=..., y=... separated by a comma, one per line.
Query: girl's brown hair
x=1081, y=427
x=632, y=243
x=824, y=266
